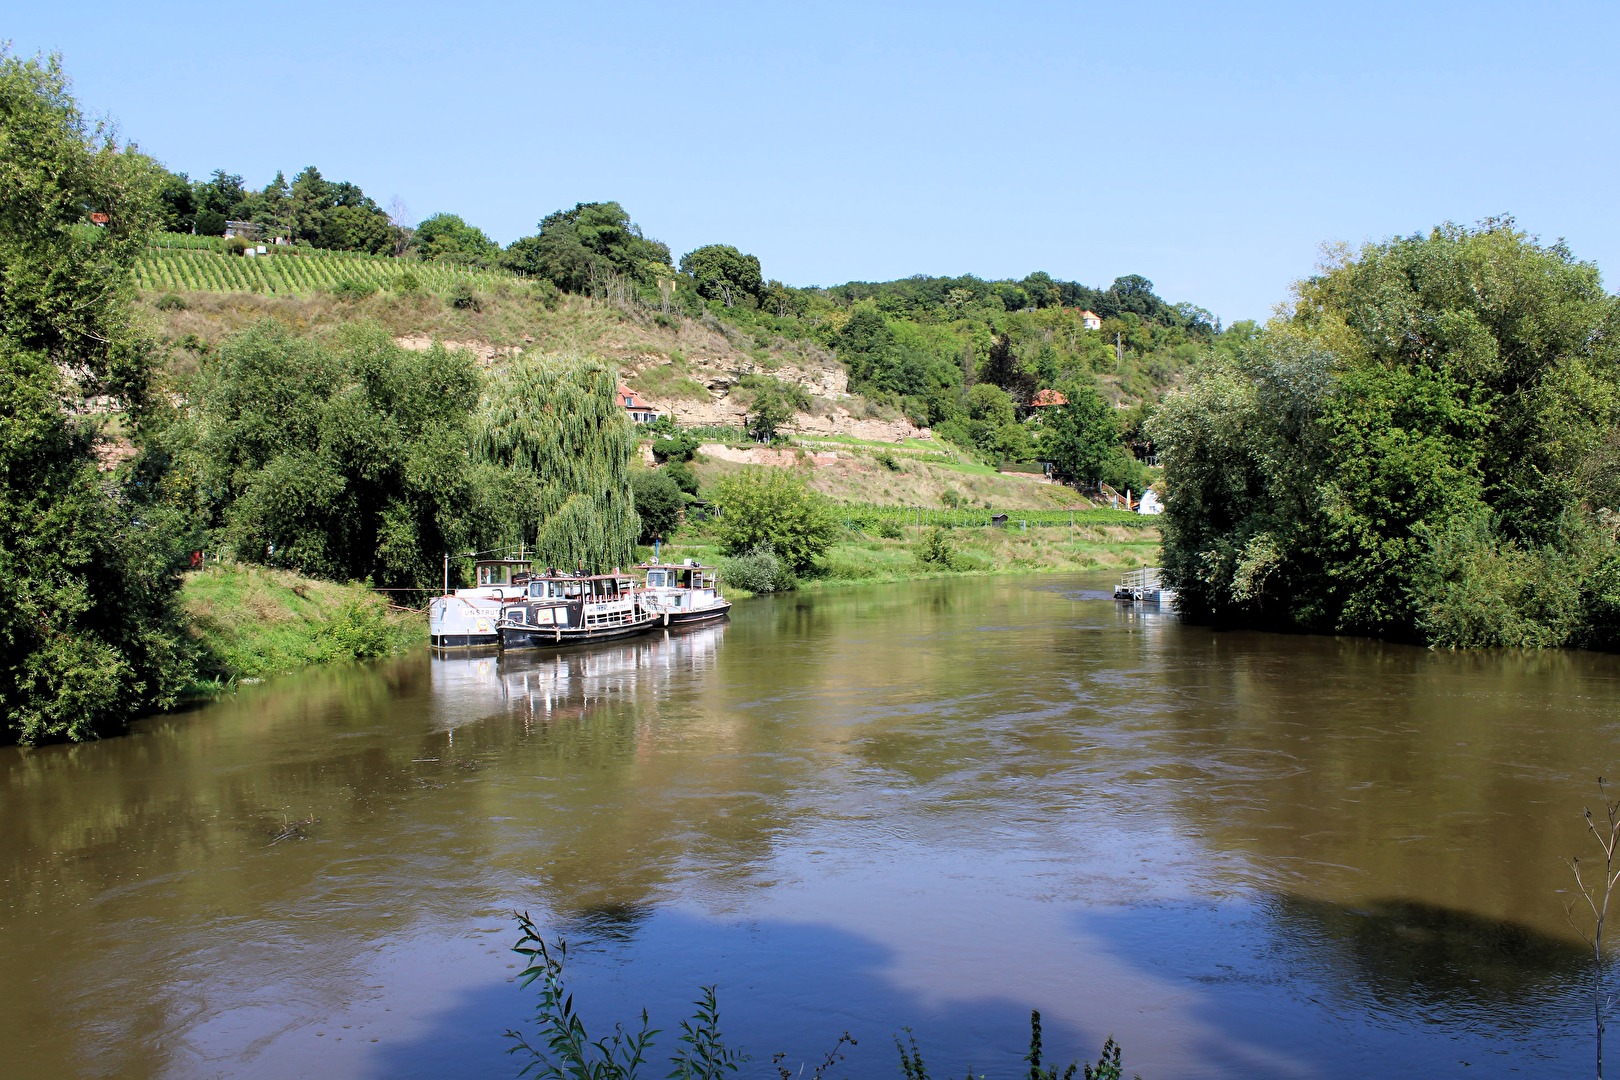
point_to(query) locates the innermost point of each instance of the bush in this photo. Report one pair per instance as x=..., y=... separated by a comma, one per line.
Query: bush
x=463, y=298
x=359, y=632
x=684, y=477
x=774, y=507
x=678, y=446
x=170, y=302
x=350, y=289
x=547, y=293
x=935, y=550
x=758, y=570
x=236, y=245
x=889, y=529
x=407, y=283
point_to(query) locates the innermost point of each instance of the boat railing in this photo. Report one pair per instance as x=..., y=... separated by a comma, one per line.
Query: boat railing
x=1145, y=579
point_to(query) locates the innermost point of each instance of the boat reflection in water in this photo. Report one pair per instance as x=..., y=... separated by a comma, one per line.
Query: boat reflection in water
x=547, y=685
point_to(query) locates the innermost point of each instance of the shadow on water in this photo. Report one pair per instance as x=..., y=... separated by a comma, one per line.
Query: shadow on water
x=1391, y=987
x=767, y=1005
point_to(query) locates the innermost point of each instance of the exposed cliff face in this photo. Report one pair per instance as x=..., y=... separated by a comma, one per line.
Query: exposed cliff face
x=709, y=390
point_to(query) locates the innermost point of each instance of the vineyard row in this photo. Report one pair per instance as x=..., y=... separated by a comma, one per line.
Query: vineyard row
x=175, y=269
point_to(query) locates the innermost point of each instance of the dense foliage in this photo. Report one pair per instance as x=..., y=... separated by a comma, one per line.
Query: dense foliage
x=775, y=509
x=593, y=248
x=658, y=503
x=1427, y=448
x=345, y=458
x=88, y=629
x=556, y=427
x=311, y=210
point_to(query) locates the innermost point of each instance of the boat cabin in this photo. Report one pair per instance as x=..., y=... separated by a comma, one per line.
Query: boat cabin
x=680, y=576
x=500, y=573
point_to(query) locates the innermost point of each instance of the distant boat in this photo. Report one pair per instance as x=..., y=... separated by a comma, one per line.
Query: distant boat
x=1144, y=587
x=467, y=618
x=572, y=609
x=686, y=592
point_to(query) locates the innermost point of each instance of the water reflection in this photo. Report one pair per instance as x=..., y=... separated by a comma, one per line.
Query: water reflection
x=935, y=805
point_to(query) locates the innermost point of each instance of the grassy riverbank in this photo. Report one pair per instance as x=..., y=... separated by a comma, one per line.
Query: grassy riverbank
x=252, y=622
x=860, y=558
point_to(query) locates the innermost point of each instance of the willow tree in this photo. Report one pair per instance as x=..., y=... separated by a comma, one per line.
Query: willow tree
x=556, y=423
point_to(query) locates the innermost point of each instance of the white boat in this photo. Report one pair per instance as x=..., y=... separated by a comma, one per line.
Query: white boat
x=467, y=618
x=1144, y=587
x=686, y=592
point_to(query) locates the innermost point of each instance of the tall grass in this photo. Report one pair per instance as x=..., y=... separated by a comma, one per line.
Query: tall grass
x=252, y=622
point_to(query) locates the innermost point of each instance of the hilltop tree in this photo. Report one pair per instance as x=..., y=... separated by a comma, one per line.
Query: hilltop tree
x=723, y=273
x=576, y=248
x=447, y=238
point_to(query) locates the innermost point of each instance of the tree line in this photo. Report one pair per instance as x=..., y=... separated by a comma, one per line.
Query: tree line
x=1426, y=448
x=961, y=354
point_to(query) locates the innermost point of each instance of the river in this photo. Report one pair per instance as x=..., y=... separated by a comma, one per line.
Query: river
x=933, y=806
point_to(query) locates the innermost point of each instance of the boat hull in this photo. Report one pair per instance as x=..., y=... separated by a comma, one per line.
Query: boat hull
x=458, y=623
x=519, y=636
x=697, y=616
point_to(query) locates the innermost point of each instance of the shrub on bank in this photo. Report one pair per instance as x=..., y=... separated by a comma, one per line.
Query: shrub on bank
x=758, y=570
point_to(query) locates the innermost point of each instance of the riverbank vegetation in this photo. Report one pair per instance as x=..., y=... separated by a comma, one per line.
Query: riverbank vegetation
x=89, y=631
x=251, y=622
x=562, y=1047
x=1424, y=448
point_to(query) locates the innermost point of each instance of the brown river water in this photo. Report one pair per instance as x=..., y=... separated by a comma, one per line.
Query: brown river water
x=932, y=806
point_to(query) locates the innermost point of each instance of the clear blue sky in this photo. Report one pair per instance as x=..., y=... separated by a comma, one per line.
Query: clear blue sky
x=1209, y=148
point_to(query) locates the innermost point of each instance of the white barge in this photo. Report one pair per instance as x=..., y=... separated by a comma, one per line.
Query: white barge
x=469, y=618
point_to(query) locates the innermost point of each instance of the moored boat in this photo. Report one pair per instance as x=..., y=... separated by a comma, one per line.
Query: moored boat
x=686, y=592
x=467, y=618
x=1144, y=586
x=571, y=609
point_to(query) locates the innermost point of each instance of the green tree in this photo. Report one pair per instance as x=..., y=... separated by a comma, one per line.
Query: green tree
x=89, y=635
x=447, y=238
x=1080, y=437
x=580, y=247
x=177, y=202
x=721, y=272
x=345, y=458
x=658, y=503
x=556, y=423
x=774, y=508
x=771, y=410
x=1424, y=450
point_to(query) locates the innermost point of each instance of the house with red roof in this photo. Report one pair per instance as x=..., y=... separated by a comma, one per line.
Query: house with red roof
x=640, y=412
x=1091, y=320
